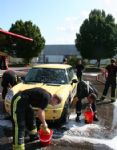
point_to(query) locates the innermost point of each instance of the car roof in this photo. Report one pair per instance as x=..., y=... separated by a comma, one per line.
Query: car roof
x=59, y=66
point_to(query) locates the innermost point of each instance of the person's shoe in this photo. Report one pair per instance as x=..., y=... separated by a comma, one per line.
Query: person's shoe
x=95, y=118
x=77, y=119
x=112, y=100
x=34, y=138
x=102, y=98
x=86, y=122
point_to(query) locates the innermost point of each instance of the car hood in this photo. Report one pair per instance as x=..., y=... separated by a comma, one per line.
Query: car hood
x=51, y=88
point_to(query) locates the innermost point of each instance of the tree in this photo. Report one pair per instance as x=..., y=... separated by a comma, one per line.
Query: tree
x=26, y=49
x=96, y=39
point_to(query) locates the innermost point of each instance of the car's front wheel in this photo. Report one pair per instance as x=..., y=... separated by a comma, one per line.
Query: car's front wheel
x=65, y=114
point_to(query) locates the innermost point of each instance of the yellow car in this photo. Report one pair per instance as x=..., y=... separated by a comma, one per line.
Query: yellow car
x=58, y=79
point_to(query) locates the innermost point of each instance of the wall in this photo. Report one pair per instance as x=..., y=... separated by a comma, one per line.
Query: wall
x=14, y=60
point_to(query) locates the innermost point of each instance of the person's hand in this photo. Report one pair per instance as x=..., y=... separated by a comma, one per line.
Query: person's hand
x=47, y=131
x=90, y=101
x=45, y=125
x=45, y=128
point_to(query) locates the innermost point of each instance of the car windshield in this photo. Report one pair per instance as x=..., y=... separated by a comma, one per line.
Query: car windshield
x=46, y=75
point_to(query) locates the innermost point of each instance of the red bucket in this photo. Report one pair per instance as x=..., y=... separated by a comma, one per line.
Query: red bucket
x=45, y=139
x=89, y=116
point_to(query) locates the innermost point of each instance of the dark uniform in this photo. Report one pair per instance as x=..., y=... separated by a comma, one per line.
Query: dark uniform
x=110, y=80
x=84, y=90
x=23, y=114
x=79, y=69
x=8, y=79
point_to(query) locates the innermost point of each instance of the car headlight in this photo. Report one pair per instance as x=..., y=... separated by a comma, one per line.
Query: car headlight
x=9, y=95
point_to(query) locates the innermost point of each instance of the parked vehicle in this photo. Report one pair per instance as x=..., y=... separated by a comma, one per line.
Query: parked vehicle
x=58, y=79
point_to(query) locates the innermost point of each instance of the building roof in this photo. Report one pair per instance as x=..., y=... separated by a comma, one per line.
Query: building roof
x=60, y=50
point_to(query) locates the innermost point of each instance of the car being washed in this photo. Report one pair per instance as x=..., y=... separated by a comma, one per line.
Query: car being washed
x=57, y=79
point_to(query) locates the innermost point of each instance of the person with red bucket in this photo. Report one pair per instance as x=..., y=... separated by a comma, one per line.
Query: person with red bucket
x=86, y=89
x=22, y=114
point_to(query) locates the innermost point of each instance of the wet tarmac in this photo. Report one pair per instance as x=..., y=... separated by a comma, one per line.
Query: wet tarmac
x=75, y=136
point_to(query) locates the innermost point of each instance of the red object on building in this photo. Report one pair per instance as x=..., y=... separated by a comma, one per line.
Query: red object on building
x=3, y=56
x=15, y=35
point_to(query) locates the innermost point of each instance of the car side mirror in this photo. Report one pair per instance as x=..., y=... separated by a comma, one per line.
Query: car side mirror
x=74, y=81
x=19, y=79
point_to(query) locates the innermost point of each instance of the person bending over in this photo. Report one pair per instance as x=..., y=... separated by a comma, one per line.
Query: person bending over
x=23, y=115
x=9, y=79
x=85, y=89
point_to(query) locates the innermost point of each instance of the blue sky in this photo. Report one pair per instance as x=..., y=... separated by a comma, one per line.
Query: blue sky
x=58, y=20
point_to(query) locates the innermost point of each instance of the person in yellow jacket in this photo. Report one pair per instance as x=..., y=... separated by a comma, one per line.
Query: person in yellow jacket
x=23, y=115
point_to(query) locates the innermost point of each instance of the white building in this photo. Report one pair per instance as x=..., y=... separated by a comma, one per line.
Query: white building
x=56, y=53
x=52, y=54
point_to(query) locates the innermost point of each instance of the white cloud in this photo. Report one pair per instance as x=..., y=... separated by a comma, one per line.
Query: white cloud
x=70, y=27
x=69, y=24
x=71, y=19
x=67, y=30
x=84, y=14
x=61, y=28
x=63, y=39
x=110, y=7
x=108, y=2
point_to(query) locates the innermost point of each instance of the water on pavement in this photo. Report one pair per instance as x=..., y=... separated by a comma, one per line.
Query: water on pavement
x=98, y=135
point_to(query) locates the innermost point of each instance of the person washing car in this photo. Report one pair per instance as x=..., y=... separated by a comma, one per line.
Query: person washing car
x=9, y=79
x=23, y=115
x=85, y=89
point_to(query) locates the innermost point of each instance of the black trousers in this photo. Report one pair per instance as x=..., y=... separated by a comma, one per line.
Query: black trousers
x=79, y=107
x=4, y=92
x=22, y=117
x=79, y=76
x=110, y=83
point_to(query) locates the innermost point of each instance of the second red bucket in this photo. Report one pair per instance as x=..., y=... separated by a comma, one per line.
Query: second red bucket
x=89, y=116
